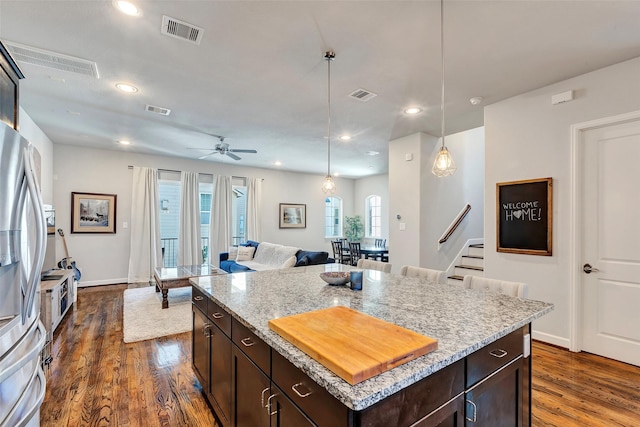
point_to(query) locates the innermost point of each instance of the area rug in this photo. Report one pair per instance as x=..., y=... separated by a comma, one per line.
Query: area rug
x=144, y=318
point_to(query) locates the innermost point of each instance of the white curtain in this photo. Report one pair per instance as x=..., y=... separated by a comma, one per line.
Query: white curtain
x=254, y=209
x=189, y=241
x=146, y=251
x=220, y=230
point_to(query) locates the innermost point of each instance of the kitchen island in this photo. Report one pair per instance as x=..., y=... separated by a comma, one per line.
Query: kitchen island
x=254, y=377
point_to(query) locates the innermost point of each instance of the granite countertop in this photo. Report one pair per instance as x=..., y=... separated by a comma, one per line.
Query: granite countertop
x=461, y=320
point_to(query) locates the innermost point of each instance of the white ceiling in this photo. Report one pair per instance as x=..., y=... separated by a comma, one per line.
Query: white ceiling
x=259, y=79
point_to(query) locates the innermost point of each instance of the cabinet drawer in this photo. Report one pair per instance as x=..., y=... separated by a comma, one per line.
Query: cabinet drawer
x=220, y=317
x=257, y=350
x=199, y=298
x=494, y=356
x=315, y=401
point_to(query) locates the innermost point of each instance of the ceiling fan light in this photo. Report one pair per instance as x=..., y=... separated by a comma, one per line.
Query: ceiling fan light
x=328, y=185
x=443, y=164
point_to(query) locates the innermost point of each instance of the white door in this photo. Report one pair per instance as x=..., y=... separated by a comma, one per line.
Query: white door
x=611, y=241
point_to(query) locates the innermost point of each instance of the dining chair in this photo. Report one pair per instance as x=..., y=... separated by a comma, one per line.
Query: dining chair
x=368, y=264
x=354, y=252
x=514, y=289
x=338, y=253
x=435, y=276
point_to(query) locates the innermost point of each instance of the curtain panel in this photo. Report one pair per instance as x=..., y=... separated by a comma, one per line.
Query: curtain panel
x=189, y=241
x=254, y=209
x=220, y=229
x=146, y=251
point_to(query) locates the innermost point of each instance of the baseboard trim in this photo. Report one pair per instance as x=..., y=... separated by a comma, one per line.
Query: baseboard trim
x=550, y=339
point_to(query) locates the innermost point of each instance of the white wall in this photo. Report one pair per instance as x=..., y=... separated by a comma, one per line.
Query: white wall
x=43, y=144
x=405, y=180
x=527, y=137
x=365, y=187
x=104, y=258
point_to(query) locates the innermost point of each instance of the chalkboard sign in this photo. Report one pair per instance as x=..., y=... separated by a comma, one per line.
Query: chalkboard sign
x=524, y=216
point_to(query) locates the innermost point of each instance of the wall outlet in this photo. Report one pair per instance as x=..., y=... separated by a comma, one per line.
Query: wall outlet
x=403, y=226
x=125, y=225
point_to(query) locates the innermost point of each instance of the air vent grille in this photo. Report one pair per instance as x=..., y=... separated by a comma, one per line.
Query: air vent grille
x=181, y=30
x=362, y=95
x=158, y=110
x=48, y=59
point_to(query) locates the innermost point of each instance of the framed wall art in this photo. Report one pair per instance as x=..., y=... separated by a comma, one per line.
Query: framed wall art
x=293, y=215
x=524, y=215
x=93, y=213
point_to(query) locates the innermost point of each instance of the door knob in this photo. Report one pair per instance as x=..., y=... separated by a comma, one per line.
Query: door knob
x=588, y=269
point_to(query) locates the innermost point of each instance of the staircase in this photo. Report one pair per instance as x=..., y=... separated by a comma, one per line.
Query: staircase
x=470, y=264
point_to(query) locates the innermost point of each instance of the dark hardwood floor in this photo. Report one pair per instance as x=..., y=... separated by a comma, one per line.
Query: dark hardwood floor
x=97, y=380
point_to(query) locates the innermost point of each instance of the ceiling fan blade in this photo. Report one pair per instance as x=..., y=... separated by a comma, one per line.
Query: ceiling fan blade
x=239, y=150
x=233, y=156
x=207, y=155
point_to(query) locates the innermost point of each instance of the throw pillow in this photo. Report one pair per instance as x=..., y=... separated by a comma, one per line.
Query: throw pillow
x=233, y=252
x=245, y=253
x=304, y=261
x=290, y=262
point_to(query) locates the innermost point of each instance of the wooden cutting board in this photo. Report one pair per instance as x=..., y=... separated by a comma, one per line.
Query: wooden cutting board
x=352, y=345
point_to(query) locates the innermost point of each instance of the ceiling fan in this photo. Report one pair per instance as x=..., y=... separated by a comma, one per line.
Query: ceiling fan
x=223, y=148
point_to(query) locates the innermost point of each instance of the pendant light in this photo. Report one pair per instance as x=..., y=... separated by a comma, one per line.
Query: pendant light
x=443, y=165
x=329, y=185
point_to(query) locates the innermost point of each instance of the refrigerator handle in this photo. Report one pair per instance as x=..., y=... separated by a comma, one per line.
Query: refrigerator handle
x=38, y=258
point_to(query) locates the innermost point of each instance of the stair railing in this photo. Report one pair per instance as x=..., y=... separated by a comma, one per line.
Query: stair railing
x=454, y=225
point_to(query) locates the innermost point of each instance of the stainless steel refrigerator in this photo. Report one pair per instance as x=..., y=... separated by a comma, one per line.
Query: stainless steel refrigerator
x=22, y=246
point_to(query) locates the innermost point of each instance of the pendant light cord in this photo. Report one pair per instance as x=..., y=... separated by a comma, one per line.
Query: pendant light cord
x=329, y=56
x=442, y=62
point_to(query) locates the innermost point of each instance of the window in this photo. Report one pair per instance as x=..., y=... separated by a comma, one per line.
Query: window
x=333, y=217
x=374, y=216
x=206, y=195
x=239, y=211
x=169, y=193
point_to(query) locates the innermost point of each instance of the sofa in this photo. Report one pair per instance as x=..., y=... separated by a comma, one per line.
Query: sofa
x=259, y=256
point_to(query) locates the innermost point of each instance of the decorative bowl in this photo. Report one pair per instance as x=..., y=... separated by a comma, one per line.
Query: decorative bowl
x=335, y=277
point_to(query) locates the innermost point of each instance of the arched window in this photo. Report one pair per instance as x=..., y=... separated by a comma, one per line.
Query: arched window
x=373, y=206
x=333, y=217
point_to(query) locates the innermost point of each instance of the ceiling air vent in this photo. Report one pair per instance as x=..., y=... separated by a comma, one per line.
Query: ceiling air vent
x=181, y=30
x=362, y=95
x=158, y=110
x=56, y=61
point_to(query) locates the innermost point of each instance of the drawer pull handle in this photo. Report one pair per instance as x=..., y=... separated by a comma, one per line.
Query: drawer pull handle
x=198, y=298
x=499, y=353
x=475, y=408
x=206, y=330
x=217, y=315
x=302, y=395
x=269, y=405
x=262, y=397
x=247, y=342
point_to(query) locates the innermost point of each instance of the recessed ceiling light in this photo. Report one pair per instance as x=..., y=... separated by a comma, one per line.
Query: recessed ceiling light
x=126, y=87
x=476, y=100
x=345, y=137
x=123, y=142
x=278, y=163
x=127, y=8
x=372, y=153
x=413, y=110
x=336, y=174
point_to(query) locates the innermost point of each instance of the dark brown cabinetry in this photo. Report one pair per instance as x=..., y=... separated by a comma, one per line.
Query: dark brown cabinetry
x=211, y=349
x=250, y=384
x=10, y=76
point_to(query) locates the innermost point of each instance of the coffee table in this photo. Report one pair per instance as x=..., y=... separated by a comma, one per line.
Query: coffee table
x=178, y=277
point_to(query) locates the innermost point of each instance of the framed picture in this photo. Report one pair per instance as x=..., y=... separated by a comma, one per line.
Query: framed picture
x=293, y=215
x=93, y=213
x=524, y=216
